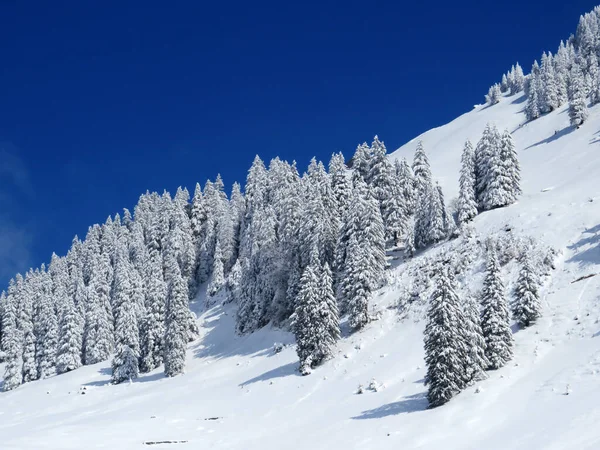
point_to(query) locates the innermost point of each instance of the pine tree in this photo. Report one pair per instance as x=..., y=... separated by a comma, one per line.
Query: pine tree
x=527, y=306
x=409, y=241
x=578, y=112
x=445, y=349
x=495, y=317
x=177, y=321
x=467, y=204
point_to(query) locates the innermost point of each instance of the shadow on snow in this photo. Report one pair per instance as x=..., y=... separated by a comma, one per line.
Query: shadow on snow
x=587, y=250
x=409, y=404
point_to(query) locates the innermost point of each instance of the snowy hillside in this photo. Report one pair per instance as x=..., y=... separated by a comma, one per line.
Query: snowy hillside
x=239, y=393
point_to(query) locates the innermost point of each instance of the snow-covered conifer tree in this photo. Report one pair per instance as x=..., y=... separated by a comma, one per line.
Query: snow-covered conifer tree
x=476, y=362
x=578, y=111
x=217, y=278
x=527, y=306
x=467, y=204
x=445, y=347
x=495, y=317
x=152, y=328
x=177, y=321
x=125, y=362
x=45, y=327
x=493, y=95
x=12, y=341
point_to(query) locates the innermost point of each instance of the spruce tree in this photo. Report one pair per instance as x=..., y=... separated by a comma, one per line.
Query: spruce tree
x=125, y=362
x=406, y=183
x=177, y=321
x=445, y=349
x=12, y=340
x=305, y=320
x=25, y=293
x=70, y=340
x=495, y=323
x=46, y=327
x=217, y=278
x=578, y=112
x=527, y=306
x=153, y=325
x=340, y=183
x=476, y=362
x=421, y=169
x=467, y=204
x=356, y=284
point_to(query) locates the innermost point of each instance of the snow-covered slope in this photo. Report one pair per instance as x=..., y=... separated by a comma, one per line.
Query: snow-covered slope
x=238, y=393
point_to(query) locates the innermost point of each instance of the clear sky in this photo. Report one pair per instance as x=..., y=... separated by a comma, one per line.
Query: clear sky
x=101, y=101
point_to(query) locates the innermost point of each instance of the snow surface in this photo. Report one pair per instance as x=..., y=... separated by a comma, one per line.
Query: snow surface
x=239, y=393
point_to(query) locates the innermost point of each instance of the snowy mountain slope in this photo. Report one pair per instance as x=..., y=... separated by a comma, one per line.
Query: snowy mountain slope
x=258, y=400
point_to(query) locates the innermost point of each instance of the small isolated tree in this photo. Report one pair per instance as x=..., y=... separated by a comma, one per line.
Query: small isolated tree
x=527, y=306
x=445, y=350
x=493, y=95
x=495, y=317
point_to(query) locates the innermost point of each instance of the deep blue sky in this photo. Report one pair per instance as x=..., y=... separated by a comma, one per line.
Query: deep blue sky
x=101, y=101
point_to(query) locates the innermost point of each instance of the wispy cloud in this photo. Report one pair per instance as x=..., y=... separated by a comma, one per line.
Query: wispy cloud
x=16, y=189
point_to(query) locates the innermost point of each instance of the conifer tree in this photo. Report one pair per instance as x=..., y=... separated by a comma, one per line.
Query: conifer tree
x=421, y=169
x=12, y=341
x=356, y=284
x=340, y=184
x=306, y=322
x=217, y=278
x=361, y=161
x=24, y=294
x=493, y=95
x=445, y=349
x=578, y=112
x=495, y=317
x=45, y=327
x=70, y=340
x=467, y=204
x=153, y=325
x=476, y=362
x=125, y=362
x=527, y=306
x=329, y=311
x=406, y=185
x=177, y=321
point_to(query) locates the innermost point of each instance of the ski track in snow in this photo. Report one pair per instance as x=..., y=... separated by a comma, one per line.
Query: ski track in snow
x=261, y=402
